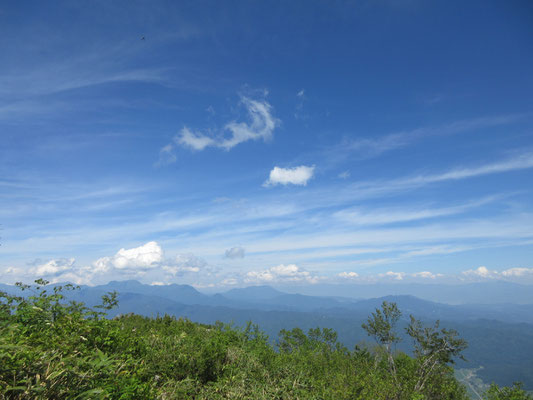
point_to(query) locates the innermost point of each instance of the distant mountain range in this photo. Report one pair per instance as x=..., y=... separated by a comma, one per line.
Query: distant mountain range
x=491, y=292
x=500, y=336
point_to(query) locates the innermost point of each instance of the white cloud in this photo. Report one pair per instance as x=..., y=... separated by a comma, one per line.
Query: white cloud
x=367, y=147
x=348, y=275
x=511, y=273
x=78, y=277
x=13, y=271
x=143, y=261
x=54, y=267
x=395, y=215
x=426, y=275
x=295, y=176
x=195, y=141
x=184, y=263
x=517, y=272
x=166, y=155
x=482, y=272
x=141, y=258
x=261, y=125
x=234, y=252
x=281, y=273
x=393, y=275
x=522, y=161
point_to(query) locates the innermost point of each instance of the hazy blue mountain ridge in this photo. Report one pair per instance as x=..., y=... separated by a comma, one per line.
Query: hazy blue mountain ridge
x=493, y=292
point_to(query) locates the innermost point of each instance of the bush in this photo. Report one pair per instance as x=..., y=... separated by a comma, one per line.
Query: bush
x=54, y=348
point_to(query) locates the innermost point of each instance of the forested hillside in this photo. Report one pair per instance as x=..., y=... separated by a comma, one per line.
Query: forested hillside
x=51, y=348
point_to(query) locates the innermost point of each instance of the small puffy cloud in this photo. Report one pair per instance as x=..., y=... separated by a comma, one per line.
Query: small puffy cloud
x=281, y=273
x=234, y=252
x=480, y=272
x=54, y=267
x=348, y=275
x=184, y=263
x=145, y=257
x=294, y=176
x=301, y=93
x=426, y=275
x=398, y=276
x=517, y=272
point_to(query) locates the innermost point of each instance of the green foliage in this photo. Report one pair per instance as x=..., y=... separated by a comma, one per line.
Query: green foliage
x=52, y=348
x=433, y=348
x=507, y=393
x=381, y=324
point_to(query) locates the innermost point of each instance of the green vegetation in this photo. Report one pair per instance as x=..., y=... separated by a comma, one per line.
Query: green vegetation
x=51, y=348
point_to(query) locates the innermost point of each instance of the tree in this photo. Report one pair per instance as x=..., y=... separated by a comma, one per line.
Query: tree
x=514, y=392
x=433, y=348
x=381, y=326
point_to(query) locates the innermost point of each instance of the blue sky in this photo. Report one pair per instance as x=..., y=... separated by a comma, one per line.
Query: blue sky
x=237, y=143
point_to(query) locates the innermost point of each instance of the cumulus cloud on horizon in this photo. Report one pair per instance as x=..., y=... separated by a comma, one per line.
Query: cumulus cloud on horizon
x=148, y=262
x=348, y=275
x=281, y=273
x=485, y=273
x=143, y=257
x=54, y=267
x=133, y=262
x=293, y=176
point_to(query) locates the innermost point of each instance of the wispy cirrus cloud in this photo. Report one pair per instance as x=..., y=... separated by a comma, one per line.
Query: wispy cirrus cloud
x=194, y=141
x=393, y=215
x=260, y=126
x=518, y=162
x=366, y=147
x=304, y=225
x=389, y=187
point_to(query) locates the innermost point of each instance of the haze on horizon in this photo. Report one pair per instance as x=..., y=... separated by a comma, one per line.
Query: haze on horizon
x=247, y=143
